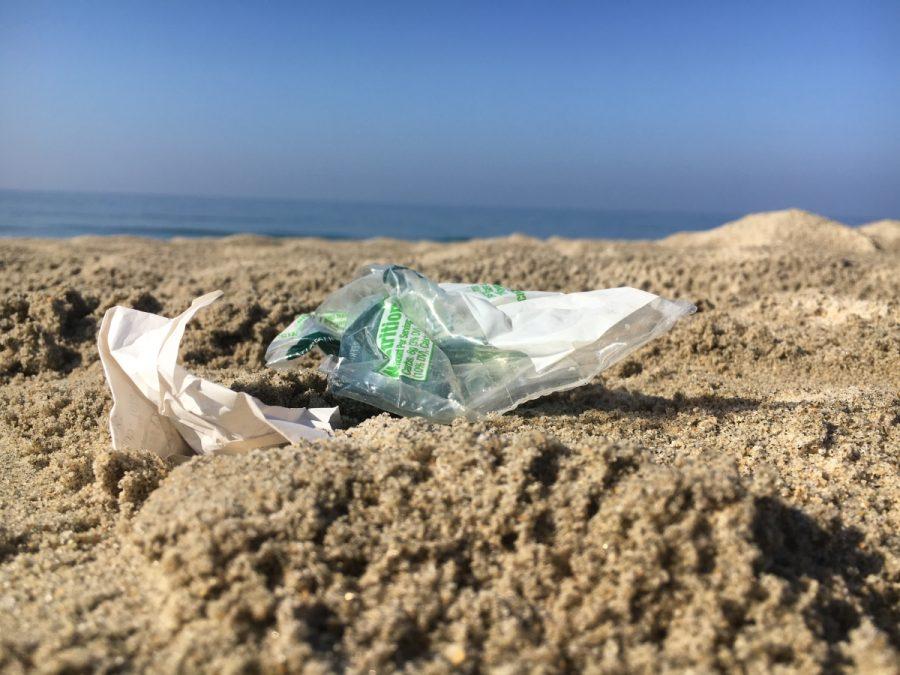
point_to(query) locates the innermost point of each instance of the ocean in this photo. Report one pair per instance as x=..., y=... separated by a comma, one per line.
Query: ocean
x=66, y=214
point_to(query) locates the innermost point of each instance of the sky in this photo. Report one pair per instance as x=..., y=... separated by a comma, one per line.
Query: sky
x=695, y=106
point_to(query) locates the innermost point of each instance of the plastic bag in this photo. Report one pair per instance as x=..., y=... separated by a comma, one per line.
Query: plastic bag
x=402, y=343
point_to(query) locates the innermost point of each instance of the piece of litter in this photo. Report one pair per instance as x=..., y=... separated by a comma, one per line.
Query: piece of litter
x=159, y=406
x=440, y=351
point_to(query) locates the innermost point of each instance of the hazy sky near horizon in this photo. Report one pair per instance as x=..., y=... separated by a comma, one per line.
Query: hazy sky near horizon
x=699, y=106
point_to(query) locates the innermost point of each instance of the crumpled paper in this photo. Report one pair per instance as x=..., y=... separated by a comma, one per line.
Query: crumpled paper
x=158, y=406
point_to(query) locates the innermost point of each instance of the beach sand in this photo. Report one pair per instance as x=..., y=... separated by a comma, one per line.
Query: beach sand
x=727, y=498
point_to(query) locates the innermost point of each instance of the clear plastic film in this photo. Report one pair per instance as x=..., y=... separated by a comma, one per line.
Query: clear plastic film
x=407, y=345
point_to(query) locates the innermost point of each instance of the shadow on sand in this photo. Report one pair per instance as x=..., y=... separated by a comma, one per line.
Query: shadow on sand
x=631, y=403
x=797, y=549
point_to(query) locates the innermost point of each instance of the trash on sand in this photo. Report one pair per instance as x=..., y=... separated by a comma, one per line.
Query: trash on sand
x=161, y=407
x=398, y=341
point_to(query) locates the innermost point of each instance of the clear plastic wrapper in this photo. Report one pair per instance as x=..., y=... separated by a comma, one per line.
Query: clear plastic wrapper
x=404, y=344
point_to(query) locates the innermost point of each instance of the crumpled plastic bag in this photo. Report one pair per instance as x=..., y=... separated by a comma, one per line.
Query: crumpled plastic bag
x=404, y=344
x=159, y=406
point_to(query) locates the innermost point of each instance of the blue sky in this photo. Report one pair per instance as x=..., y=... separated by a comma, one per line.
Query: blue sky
x=712, y=106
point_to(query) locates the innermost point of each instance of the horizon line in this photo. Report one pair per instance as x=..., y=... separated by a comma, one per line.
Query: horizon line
x=379, y=202
x=732, y=214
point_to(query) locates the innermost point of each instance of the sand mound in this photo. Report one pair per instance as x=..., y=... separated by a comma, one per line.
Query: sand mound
x=42, y=331
x=791, y=229
x=340, y=556
x=886, y=233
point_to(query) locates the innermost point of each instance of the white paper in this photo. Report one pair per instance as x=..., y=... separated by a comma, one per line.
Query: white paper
x=158, y=406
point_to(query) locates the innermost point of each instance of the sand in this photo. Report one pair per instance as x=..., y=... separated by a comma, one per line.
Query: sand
x=885, y=233
x=726, y=499
x=791, y=229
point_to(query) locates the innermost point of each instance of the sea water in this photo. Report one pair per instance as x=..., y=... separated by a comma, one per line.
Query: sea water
x=64, y=214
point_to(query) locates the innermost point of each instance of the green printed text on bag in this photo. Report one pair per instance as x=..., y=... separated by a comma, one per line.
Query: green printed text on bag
x=407, y=349
x=495, y=291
